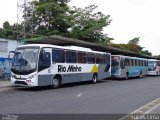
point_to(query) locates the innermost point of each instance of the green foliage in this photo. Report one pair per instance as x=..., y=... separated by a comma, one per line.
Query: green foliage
x=88, y=25
x=55, y=17
x=49, y=18
x=8, y=31
x=134, y=41
x=133, y=46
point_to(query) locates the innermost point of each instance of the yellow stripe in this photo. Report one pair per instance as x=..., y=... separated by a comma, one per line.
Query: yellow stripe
x=95, y=68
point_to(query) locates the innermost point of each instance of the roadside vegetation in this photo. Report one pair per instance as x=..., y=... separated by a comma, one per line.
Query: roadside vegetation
x=56, y=17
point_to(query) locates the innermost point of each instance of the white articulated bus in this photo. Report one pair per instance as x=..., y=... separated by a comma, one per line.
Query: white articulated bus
x=44, y=65
x=125, y=66
x=153, y=67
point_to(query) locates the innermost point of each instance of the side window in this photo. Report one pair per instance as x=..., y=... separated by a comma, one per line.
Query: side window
x=81, y=57
x=122, y=63
x=132, y=62
x=106, y=59
x=71, y=57
x=139, y=62
x=44, y=60
x=91, y=58
x=158, y=63
x=127, y=62
x=145, y=63
x=58, y=56
x=136, y=63
x=99, y=58
x=142, y=62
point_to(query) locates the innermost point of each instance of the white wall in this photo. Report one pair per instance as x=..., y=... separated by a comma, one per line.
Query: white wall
x=11, y=46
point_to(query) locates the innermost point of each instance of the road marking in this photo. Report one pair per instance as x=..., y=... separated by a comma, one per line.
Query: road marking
x=146, y=109
x=79, y=95
x=152, y=109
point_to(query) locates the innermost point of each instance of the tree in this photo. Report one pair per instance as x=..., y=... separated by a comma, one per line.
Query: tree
x=49, y=17
x=55, y=17
x=134, y=41
x=88, y=25
x=133, y=46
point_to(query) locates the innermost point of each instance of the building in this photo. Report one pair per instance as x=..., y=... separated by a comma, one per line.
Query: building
x=5, y=63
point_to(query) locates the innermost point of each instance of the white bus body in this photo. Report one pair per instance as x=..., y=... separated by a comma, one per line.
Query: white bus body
x=153, y=67
x=126, y=66
x=44, y=65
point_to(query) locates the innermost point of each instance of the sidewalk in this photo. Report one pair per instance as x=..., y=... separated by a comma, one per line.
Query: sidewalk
x=5, y=83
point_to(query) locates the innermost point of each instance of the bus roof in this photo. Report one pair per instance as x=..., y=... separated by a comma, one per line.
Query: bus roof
x=153, y=60
x=130, y=57
x=83, y=49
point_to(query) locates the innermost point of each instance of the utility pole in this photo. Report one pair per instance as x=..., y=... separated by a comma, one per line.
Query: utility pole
x=23, y=6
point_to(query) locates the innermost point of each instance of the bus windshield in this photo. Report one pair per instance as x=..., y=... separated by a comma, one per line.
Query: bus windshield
x=25, y=60
x=151, y=65
x=115, y=62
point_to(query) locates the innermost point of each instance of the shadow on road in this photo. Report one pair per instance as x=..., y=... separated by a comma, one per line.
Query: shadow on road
x=68, y=85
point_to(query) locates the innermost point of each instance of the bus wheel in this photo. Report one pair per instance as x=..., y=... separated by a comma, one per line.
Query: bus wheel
x=140, y=76
x=55, y=83
x=94, y=79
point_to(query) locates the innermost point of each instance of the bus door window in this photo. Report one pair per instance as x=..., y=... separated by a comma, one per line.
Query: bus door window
x=122, y=64
x=44, y=60
x=127, y=62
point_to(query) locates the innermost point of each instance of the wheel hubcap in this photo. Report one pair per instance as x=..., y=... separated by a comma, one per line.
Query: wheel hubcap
x=94, y=79
x=55, y=82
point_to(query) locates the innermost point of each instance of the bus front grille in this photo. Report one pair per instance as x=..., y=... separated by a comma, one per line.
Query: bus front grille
x=21, y=82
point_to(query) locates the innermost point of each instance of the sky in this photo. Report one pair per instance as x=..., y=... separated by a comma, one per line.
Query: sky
x=130, y=18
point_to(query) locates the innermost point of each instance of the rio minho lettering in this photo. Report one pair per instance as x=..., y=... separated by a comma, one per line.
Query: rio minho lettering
x=71, y=68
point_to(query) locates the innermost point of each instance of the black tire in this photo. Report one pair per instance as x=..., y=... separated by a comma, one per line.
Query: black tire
x=140, y=75
x=94, y=79
x=56, y=82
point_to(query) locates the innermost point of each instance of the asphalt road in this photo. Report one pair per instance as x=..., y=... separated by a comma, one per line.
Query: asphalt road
x=109, y=97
